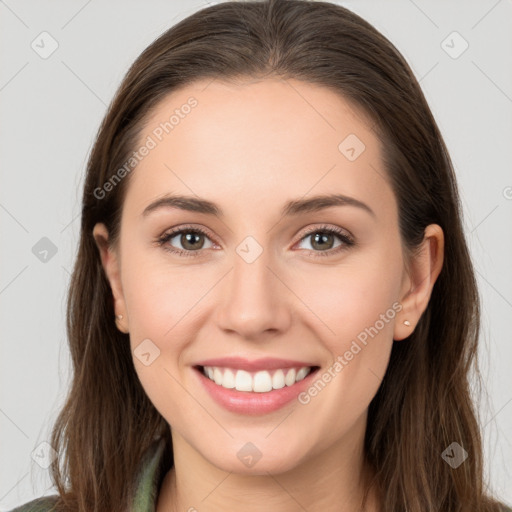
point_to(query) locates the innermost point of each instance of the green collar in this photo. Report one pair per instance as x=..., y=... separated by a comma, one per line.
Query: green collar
x=149, y=478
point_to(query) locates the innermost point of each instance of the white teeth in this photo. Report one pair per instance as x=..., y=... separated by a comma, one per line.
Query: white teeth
x=278, y=380
x=290, y=377
x=243, y=381
x=228, y=380
x=217, y=376
x=301, y=373
x=258, y=382
x=262, y=382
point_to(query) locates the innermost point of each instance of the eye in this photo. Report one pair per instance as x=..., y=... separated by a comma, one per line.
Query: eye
x=192, y=240
x=323, y=240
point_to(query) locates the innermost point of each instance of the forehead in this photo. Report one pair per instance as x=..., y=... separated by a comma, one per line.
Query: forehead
x=257, y=141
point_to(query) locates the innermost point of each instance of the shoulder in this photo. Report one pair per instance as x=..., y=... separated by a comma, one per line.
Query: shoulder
x=43, y=504
x=149, y=478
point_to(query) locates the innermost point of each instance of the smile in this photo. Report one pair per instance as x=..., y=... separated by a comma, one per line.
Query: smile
x=258, y=382
x=254, y=392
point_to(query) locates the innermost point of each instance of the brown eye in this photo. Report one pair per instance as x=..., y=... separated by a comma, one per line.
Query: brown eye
x=192, y=240
x=326, y=241
x=322, y=241
x=185, y=241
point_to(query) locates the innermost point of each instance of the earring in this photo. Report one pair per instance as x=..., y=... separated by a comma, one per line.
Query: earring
x=406, y=322
x=120, y=317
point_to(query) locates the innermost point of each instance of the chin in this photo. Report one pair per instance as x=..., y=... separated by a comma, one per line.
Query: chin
x=249, y=460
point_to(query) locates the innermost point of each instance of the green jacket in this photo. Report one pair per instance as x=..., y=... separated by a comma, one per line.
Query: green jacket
x=146, y=495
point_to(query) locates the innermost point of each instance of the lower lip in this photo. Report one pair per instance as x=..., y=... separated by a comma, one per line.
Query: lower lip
x=253, y=403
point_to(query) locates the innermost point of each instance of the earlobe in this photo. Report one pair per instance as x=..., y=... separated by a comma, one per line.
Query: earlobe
x=424, y=269
x=110, y=263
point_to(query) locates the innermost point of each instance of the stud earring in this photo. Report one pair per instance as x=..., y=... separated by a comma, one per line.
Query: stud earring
x=406, y=322
x=120, y=317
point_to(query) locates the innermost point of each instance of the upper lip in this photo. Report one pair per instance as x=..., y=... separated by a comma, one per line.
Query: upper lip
x=240, y=363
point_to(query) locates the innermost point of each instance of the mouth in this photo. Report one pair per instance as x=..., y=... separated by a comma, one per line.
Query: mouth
x=254, y=393
x=262, y=381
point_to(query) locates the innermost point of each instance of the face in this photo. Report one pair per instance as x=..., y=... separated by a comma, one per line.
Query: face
x=272, y=279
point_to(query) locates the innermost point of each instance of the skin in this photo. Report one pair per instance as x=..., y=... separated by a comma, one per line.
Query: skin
x=250, y=147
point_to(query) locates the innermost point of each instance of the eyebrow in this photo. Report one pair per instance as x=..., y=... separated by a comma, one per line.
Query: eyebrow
x=294, y=207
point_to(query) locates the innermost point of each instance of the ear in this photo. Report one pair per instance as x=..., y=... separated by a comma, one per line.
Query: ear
x=423, y=270
x=110, y=262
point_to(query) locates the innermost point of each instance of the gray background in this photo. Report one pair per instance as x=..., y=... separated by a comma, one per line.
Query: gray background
x=51, y=109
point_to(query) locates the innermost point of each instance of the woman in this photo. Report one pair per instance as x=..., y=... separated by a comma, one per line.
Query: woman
x=273, y=305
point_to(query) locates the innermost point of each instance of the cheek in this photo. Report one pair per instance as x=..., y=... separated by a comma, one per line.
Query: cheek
x=160, y=297
x=352, y=298
x=355, y=307
x=160, y=301
x=164, y=301
x=157, y=300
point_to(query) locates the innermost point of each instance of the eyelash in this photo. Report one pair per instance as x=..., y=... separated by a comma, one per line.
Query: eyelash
x=347, y=240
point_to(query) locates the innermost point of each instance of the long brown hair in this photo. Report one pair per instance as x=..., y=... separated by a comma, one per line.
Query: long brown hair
x=424, y=402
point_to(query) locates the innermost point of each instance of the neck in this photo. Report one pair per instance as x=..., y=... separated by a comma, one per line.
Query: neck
x=333, y=479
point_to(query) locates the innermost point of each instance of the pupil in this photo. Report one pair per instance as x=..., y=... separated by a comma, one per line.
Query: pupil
x=323, y=238
x=189, y=239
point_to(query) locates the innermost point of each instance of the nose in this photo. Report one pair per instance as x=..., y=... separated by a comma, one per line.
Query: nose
x=254, y=302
